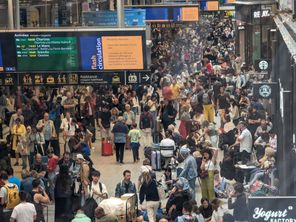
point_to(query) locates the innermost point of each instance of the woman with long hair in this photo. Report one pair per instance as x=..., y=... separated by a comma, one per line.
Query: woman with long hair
x=63, y=193
x=149, y=192
x=207, y=175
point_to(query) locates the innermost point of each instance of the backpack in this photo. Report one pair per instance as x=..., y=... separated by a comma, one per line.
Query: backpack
x=52, y=115
x=146, y=120
x=90, y=205
x=206, y=98
x=85, y=149
x=12, y=196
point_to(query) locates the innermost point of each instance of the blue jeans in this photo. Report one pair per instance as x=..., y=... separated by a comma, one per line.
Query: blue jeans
x=135, y=148
x=192, y=186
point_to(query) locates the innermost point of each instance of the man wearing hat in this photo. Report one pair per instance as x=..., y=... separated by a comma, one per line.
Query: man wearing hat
x=189, y=171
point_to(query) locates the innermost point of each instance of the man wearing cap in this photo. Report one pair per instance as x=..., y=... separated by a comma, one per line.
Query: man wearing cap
x=84, y=173
x=189, y=171
x=245, y=142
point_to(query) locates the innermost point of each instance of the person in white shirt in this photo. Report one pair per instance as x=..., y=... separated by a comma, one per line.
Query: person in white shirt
x=68, y=126
x=218, y=211
x=96, y=189
x=24, y=211
x=245, y=140
x=167, y=142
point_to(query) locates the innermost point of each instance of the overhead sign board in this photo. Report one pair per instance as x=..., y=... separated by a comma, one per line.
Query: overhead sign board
x=75, y=78
x=138, y=77
x=64, y=51
x=170, y=12
x=133, y=17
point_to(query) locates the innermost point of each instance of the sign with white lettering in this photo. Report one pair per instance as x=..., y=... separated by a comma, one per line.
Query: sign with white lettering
x=261, y=14
x=272, y=209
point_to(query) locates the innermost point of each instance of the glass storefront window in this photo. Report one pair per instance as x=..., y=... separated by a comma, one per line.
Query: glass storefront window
x=256, y=43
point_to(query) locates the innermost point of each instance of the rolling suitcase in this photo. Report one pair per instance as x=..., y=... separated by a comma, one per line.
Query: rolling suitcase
x=156, y=160
x=107, y=148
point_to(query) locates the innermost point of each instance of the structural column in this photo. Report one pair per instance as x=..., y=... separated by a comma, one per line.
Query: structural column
x=10, y=24
x=120, y=14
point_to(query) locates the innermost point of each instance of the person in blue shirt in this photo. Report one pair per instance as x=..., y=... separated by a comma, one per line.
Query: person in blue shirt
x=190, y=169
x=12, y=178
x=120, y=131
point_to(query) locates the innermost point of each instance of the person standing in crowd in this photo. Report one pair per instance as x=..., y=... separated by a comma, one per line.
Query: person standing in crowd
x=168, y=115
x=223, y=104
x=84, y=174
x=12, y=178
x=208, y=106
x=66, y=127
x=52, y=170
x=56, y=111
x=67, y=161
x=8, y=197
x=120, y=131
x=207, y=175
x=149, y=193
x=69, y=104
x=63, y=193
x=129, y=116
x=146, y=125
x=24, y=211
x=18, y=136
x=88, y=112
x=189, y=171
x=96, y=189
x=239, y=206
x=39, y=166
x=126, y=185
x=48, y=129
x=135, y=135
x=3, y=105
x=69, y=132
x=105, y=123
x=17, y=115
x=245, y=142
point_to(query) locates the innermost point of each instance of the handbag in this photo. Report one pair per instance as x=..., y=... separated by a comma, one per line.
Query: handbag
x=204, y=174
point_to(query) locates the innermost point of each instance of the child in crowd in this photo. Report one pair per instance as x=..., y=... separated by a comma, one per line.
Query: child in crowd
x=135, y=135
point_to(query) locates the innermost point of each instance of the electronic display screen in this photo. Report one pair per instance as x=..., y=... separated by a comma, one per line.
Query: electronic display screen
x=72, y=51
x=172, y=14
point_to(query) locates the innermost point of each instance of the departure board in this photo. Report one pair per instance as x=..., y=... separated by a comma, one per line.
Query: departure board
x=42, y=52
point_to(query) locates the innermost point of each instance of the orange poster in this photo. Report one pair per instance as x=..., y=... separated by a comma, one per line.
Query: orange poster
x=190, y=14
x=213, y=6
x=122, y=52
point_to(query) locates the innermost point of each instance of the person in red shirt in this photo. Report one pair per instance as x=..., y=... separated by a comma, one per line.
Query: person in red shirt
x=52, y=170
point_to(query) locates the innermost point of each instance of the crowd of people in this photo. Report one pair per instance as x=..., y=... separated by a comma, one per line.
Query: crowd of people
x=199, y=113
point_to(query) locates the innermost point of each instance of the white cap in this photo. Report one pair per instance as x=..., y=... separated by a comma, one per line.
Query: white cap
x=79, y=156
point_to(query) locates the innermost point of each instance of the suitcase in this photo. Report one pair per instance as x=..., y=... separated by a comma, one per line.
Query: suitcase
x=156, y=160
x=107, y=149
